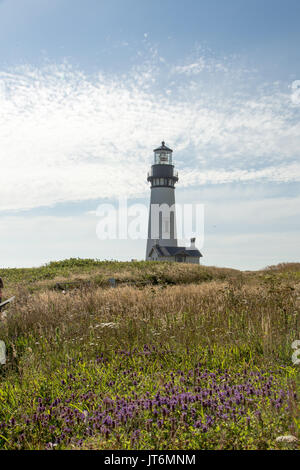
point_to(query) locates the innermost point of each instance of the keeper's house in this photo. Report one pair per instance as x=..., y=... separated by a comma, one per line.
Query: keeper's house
x=180, y=254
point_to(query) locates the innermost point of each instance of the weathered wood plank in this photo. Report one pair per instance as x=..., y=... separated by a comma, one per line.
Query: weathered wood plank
x=7, y=301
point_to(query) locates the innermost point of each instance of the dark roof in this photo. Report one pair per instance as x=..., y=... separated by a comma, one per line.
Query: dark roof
x=158, y=248
x=193, y=252
x=163, y=147
x=176, y=250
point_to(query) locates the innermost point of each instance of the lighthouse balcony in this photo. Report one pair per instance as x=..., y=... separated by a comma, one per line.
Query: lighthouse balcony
x=165, y=182
x=162, y=178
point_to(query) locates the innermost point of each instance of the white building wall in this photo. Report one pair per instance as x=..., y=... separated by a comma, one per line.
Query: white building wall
x=193, y=260
x=165, y=225
x=190, y=259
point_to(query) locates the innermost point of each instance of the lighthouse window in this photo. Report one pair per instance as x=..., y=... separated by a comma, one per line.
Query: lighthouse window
x=164, y=157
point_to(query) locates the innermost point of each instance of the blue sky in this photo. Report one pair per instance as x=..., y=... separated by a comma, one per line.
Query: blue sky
x=88, y=89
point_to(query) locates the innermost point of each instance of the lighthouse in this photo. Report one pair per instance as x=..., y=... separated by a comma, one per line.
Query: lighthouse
x=162, y=224
x=162, y=240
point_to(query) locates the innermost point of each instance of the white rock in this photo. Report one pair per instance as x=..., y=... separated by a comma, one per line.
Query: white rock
x=2, y=353
x=289, y=439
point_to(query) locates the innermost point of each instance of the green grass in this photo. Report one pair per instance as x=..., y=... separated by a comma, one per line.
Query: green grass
x=99, y=272
x=175, y=357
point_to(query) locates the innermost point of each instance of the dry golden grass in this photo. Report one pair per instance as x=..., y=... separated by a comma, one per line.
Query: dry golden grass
x=235, y=311
x=284, y=267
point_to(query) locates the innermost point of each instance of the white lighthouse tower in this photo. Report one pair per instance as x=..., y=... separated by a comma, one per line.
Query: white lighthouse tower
x=162, y=240
x=162, y=223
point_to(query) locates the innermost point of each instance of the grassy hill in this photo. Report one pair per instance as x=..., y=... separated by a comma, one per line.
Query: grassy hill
x=176, y=356
x=97, y=273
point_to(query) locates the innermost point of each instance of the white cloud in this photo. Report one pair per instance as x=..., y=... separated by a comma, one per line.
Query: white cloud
x=295, y=96
x=191, y=69
x=266, y=215
x=65, y=136
x=246, y=234
x=284, y=173
x=251, y=251
x=32, y=241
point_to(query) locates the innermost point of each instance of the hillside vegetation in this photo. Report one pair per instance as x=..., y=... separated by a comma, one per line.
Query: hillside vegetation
x=176, y=356
x=93, y=273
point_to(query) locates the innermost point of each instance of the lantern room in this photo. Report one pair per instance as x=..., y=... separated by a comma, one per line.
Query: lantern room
x=163, y=155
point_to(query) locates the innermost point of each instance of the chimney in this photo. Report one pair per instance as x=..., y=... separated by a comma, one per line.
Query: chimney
x=193, y=241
